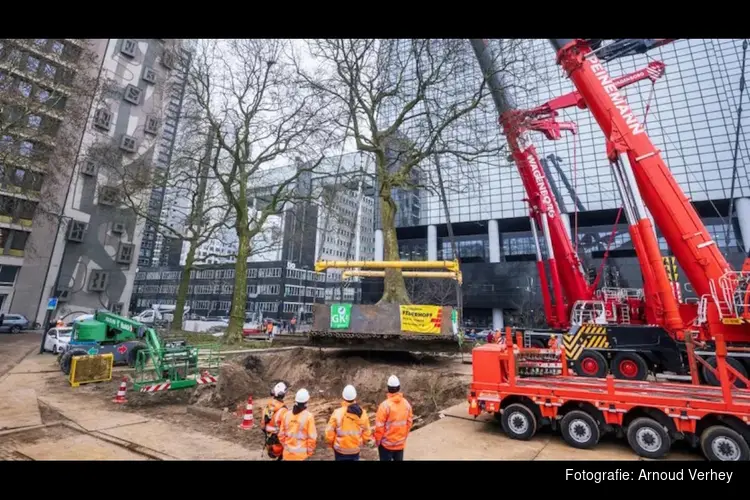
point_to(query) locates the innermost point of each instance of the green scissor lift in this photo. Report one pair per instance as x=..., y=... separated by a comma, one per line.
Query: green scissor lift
x=173, y=365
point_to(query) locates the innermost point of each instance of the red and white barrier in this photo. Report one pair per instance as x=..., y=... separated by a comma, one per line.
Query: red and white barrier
x=206, y=379
x=157, y=387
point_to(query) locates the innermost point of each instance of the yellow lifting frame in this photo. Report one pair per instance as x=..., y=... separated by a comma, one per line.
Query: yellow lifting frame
x=448, y=265
x=407, y=274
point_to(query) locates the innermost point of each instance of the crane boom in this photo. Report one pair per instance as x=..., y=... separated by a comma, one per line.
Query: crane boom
x=694, y=248
x=545, y=212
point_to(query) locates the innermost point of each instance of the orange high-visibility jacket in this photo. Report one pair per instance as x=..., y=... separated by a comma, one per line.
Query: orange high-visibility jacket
x=298, y=435
x=393, y=422
x=272, y=415
x=348, y=429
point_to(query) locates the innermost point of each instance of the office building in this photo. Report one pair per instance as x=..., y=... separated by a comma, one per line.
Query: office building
x=692, y=114
x=81, y=241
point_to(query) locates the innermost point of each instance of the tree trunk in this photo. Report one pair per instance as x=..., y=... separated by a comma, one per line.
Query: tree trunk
x=233, y=334
x=394, y=288
x=182, y=289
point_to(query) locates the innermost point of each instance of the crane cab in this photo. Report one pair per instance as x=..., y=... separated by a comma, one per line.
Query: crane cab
x=586, y=312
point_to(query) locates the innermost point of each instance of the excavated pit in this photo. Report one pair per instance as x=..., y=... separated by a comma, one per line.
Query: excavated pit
x=426, y=381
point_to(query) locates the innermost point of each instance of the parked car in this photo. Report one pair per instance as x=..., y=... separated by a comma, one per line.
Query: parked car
x=14, y=323
x=57, y=339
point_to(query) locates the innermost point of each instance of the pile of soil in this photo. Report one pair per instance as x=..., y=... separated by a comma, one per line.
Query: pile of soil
x=324, y=374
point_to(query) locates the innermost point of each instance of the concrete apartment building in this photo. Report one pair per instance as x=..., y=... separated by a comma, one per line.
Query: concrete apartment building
x=81, y=244
x=334, y=221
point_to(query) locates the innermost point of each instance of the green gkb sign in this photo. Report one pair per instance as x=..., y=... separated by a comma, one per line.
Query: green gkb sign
x=341, y=315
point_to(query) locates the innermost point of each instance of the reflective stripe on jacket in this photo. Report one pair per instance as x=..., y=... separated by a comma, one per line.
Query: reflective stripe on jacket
x=298, y=435
x=272, y=416
x=393, y=421
x=348, y=429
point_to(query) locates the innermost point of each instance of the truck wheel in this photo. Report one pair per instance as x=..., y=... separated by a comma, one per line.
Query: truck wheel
x=133, y=353
x=518, y=422
x=712, y=379
x=720, y=443
x=629, y=366
x=580, y=430
x=591, y=364
x=648, y=438
x=67, y=359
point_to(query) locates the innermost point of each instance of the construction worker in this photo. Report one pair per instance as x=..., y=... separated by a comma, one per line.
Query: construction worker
x=393, y=421
x=348, y=428
x=273, y=413
x=552, y=344
x=297, y=432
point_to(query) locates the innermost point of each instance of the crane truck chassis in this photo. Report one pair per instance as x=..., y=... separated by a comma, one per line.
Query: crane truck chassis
x=650, y=414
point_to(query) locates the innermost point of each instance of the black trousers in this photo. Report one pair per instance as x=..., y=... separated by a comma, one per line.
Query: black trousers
x=340, y=457
x=387, y=455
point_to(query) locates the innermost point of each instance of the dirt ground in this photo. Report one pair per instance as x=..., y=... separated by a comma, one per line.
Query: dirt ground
x=429, y=383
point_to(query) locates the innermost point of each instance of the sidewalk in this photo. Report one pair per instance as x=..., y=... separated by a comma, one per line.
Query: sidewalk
x=83, y=427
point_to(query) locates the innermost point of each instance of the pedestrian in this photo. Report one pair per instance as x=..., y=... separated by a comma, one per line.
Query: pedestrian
x=348, y=428
x=269, y=330
x=273, y=413
x=297, y=433
x=490, y=338
x=393, y=421
x=293, y=325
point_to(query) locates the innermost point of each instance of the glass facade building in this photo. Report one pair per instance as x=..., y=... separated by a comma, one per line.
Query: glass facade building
x=690, y=115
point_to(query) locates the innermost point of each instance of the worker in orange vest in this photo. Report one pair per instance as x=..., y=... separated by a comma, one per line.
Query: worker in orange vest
x=297, y=433
x=393, y=421
x=348, y=428
x=552, y=344
x=273, y=413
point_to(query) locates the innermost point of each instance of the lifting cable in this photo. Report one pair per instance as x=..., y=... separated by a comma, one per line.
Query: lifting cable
x=575, y=192
x=606, y=252
x=736, y=150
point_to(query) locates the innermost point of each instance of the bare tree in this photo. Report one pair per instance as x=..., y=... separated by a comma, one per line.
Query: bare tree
x=260, y=119
x=47, y=88
x=385, y=90
x=197, y=209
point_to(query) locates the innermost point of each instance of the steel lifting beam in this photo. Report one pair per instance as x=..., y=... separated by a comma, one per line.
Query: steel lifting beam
x=448, y=265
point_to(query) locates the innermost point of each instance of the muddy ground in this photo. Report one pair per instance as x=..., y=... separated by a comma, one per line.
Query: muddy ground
x=430, y=383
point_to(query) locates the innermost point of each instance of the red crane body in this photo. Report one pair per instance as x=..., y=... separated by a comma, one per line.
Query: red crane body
x=565, y=267
x=698, y=254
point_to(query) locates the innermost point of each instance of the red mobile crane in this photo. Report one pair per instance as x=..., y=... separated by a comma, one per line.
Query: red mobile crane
x=621, y=309
x=644, y=181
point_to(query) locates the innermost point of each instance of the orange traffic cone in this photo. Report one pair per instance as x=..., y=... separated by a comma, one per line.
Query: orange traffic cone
x=120, y=398
x=247, y=419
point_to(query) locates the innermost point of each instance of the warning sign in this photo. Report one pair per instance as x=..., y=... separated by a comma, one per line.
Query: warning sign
x=421, y=319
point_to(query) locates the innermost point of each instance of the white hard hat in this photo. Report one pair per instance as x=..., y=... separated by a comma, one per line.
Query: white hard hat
x=302, y=396
x=279, y=389
x=393, y=381
x=350, y=393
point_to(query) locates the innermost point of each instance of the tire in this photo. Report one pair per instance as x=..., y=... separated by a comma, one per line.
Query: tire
x=648, y=438
x=518, y=422
x=133, y=353
x=629, y=366
x=67, y=359
x=722, y=444
x=591, y=364
x=580, y=430
x=711, y=379
x=15, y=329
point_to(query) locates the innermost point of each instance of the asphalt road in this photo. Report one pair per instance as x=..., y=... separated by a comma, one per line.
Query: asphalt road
x=15, y=346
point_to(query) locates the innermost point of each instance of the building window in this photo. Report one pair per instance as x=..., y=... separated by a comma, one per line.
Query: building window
x=98, y=280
